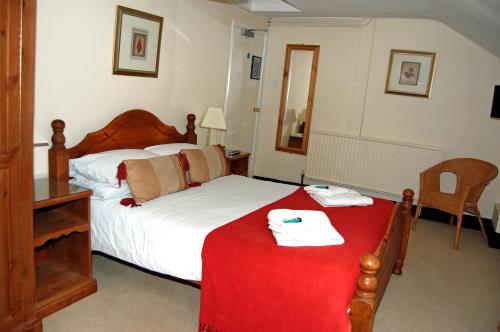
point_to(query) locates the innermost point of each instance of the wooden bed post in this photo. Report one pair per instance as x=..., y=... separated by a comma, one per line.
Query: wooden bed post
x=363, y=303
x=376, y=268
x=407, y=204
x=58, y=154
x=191, y=135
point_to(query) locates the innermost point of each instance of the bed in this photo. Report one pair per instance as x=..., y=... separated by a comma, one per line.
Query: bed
x=137, y=129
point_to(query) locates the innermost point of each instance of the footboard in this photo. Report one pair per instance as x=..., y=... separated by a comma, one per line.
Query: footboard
x=376, y=268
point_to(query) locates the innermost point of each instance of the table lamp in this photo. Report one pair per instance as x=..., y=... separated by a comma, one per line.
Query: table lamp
x=213, y=119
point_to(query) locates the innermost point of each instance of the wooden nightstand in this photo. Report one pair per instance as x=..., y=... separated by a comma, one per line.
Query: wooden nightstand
x=61, y=240
x=239, y=164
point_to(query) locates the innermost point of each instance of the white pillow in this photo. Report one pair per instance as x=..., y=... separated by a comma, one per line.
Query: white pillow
x=102, y=167
x=172, y=148
x=101, y=190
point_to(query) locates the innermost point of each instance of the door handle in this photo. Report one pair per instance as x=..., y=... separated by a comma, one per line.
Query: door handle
x=256, y=109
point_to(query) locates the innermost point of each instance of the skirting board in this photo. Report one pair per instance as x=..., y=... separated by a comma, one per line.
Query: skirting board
x=468, y=221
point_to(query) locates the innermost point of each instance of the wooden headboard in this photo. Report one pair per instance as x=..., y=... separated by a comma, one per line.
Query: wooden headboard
x=135, y=129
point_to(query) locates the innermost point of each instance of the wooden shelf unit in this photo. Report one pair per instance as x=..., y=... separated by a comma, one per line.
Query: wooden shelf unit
x=61, y=242
x=50, y=224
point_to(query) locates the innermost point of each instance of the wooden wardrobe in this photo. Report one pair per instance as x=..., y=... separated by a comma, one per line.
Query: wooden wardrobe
x=17, y=276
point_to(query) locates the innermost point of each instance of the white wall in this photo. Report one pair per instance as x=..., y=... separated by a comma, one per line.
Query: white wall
x=74, y=55
x=350, y=94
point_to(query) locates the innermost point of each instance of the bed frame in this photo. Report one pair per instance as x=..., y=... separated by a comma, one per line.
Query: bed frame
x=137, y=129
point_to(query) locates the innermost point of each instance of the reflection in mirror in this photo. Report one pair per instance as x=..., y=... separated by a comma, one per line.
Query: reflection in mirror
x=297, y=94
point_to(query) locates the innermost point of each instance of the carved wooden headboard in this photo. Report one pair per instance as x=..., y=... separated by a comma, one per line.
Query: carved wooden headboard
x=135, y=129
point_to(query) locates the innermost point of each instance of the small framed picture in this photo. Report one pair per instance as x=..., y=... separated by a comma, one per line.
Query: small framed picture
x=137, y=43
x=410, y=73
x=256, y=64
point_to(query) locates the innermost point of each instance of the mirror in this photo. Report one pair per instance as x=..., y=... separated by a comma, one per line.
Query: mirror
x=297, y=95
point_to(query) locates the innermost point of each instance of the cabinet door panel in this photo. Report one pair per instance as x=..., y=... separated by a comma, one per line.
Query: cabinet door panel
x=10, y=184
x=4, y=251
x=10, y=279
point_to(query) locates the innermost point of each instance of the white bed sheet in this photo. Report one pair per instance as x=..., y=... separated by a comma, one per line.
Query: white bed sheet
x=166, y=234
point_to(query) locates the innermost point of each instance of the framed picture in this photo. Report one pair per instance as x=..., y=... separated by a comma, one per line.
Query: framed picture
x=410, y=73
x=137, y=43
x=255, y=71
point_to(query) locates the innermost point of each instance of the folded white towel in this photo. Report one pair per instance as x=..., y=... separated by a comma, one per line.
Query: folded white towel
x=312, y=221
x=315, y=228
x=349, y=199
x=331, y=191
x=305, y=243
x=328, y=193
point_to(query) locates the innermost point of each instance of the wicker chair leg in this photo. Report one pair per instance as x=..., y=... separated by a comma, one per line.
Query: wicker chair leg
x=417, y=214
x=457, y=232
x=451, y=219
x=478, y=215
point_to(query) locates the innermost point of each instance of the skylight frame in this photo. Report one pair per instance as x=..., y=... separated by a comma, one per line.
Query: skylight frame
x=270, y=6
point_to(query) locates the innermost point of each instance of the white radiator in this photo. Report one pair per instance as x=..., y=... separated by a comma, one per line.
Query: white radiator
x=373, y=165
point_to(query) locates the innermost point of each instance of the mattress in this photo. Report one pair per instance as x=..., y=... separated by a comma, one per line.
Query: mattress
x=166, y=234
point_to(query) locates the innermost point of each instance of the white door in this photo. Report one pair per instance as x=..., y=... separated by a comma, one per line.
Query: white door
x=243, y=89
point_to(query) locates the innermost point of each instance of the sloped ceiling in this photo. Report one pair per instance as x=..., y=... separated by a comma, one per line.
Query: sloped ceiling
x=479, y=20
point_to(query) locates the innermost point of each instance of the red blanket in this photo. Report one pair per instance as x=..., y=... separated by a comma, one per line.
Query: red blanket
x=249, y=283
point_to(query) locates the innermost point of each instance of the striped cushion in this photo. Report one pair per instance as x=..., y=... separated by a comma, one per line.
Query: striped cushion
x=207, y=164
x=155, y=177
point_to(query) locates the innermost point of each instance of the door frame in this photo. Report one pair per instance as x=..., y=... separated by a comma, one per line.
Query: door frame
x=235, y=24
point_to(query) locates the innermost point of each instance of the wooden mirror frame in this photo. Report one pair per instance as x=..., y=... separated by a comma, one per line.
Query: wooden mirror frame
x=310, y=98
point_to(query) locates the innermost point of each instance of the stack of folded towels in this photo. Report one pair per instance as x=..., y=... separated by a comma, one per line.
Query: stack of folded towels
x=328, y=196
x=295, y=228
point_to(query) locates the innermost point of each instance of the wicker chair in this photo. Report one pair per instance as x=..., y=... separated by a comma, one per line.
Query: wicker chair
x=472, y=177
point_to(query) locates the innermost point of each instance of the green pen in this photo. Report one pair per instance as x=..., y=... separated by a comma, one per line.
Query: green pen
x=292, y=220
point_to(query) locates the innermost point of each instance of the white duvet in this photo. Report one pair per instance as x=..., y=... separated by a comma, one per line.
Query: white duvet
x=166, y=234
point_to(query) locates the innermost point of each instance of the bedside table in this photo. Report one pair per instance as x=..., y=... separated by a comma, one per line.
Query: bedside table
x=61, y=241
x=239, y=164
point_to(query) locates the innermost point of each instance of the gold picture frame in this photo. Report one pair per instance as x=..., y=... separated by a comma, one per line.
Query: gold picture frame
x=410, y=73
x=137, y=43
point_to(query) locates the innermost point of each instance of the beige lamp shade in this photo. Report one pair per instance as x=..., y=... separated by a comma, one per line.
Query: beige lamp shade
x=214, y=119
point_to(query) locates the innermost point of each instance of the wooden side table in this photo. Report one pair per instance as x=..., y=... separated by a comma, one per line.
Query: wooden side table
x=61, y=241
x=239, y=164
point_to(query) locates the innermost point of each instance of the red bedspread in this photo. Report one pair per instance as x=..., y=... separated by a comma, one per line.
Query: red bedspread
x=249, y=283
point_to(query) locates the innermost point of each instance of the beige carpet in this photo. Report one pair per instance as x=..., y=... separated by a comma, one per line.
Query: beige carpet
x=440, y=290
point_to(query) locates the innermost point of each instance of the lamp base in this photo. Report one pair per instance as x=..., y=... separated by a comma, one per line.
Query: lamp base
x=213, y=136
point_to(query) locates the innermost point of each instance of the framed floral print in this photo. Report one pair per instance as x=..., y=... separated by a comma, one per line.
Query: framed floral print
x=137, y=43
x=410, y=73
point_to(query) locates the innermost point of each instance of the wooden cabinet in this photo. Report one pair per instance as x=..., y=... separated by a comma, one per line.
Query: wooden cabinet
x=17, y=34
x=239, y=164
x=61, y=241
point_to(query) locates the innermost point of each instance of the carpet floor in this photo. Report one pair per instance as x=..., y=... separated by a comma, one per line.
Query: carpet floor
x=440, y=290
